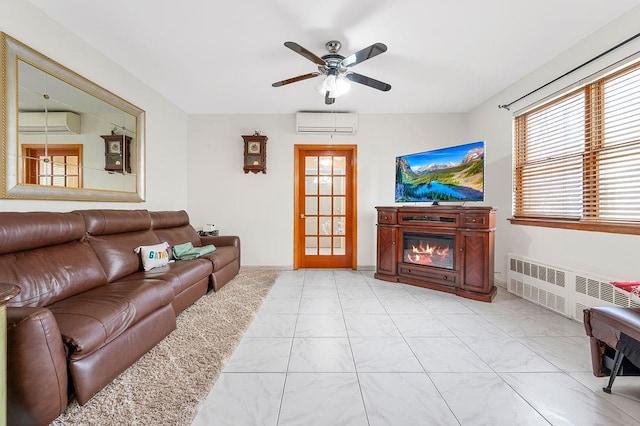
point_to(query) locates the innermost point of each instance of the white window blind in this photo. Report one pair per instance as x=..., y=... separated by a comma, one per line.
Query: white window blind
x=578, y=157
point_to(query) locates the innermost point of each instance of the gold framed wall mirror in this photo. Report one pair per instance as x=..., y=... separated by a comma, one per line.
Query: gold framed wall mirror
x=48, y=106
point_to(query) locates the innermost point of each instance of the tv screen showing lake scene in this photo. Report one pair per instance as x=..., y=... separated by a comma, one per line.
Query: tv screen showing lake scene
x=449, y=174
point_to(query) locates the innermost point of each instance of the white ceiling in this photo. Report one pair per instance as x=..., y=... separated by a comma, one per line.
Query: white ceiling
x=211, y=56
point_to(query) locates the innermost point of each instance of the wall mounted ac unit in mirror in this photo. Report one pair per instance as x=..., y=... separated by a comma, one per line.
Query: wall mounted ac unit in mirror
x=47, y=107
x=67, y=123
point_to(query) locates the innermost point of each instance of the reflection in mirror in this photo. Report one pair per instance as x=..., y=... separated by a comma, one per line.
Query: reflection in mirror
x=65, y=137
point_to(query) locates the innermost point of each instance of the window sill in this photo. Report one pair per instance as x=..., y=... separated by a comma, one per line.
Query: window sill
x=630, y=228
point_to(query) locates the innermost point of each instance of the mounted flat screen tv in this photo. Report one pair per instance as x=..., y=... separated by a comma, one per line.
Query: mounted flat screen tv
x=454, y=173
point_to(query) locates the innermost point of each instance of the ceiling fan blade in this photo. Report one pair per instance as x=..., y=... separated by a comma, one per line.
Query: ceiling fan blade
x=295, y=79
x=364, y=54
x=304, y=52
x=368, y=81
x=327, y=99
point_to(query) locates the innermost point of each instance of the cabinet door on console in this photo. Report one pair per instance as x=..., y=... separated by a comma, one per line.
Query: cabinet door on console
x=477, y=264
x=387, y=261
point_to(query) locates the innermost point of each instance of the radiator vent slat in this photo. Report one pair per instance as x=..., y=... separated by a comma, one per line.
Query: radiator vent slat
x=542, y=297
x=606, y=292
x=579, y=314
x=593, y=288
x=534, y=293
x=534, y=271
x=551, y=276
x=621, y=299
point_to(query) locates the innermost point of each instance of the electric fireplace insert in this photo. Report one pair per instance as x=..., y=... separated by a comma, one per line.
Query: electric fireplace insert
x=427, y=249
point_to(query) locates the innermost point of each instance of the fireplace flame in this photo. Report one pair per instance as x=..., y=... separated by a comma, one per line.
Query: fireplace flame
x=424, y=253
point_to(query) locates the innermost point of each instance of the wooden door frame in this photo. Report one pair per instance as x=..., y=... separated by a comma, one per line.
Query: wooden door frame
x=352, y=186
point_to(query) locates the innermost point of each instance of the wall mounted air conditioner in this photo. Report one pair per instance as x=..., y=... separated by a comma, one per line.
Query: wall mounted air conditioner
x=61, y=123
x=313, y=123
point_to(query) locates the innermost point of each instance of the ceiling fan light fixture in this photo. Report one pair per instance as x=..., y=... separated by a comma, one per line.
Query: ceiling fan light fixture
x=335, y=85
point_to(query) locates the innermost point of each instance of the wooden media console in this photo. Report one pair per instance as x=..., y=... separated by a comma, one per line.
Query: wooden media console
x=442, y=248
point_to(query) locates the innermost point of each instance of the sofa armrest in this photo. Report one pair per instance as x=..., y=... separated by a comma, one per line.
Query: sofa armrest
x=223, y=240
x=37, y=380
x=596, y=347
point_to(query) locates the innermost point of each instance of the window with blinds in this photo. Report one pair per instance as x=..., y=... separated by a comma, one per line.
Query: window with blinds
x=577, y=158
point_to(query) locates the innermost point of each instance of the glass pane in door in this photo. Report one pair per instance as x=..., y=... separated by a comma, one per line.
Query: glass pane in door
x=325, y=185
x=325, y=205
x=311, y=185
x=339, y=205
x=311, y=165
x=311, y=205
x=326, y=164
x=311, y=245
x=339, y=185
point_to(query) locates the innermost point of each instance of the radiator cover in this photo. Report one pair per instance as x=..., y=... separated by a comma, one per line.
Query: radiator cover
x=561, y=289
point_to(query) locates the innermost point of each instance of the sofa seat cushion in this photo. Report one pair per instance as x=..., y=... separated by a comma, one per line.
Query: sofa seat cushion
x=223, y=256
x=92, y=319
x=181, y=274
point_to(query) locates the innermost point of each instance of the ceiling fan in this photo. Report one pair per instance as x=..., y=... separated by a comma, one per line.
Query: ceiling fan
x=337, y=68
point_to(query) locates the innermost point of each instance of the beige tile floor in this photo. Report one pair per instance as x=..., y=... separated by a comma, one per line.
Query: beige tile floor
x=337, y=347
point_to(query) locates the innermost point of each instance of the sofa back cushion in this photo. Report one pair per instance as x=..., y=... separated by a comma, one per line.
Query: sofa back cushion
x=32, y=230
x=174, y=228
x=46, y=256
x=114, y=235
x=109, y=222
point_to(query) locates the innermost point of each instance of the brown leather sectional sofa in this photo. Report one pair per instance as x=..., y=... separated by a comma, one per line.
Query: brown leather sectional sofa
x=87, y=310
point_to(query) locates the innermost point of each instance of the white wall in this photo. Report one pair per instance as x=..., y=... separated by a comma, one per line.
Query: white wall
x=166, y=125
x=611, y=255
x=259, y=207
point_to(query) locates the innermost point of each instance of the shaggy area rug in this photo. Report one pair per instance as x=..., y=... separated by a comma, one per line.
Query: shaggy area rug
x=165, y=386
